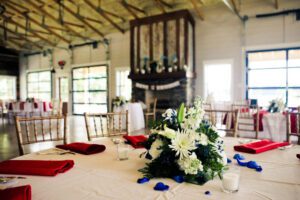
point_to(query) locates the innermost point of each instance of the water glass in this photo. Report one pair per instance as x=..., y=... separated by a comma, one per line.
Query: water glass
x=123, y=150
x=231, y=180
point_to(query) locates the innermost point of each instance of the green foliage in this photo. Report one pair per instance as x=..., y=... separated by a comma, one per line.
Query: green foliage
x=180, y=114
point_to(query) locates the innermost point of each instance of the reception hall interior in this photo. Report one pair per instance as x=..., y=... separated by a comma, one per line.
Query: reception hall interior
x=149, y=99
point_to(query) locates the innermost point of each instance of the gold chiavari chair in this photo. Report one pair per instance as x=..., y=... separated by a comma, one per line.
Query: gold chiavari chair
x=32, y=130
x=106, y=124
x=293, y=125
x=224, y=120
x=151, y=112
x=248, y=118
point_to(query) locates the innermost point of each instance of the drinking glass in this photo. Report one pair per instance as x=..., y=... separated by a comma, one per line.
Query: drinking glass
x=123, y=150
x=231, y=180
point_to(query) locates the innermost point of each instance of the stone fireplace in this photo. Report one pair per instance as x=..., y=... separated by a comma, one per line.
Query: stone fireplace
x=169, y=94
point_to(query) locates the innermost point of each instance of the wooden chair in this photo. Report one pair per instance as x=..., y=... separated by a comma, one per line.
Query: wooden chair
x=151, y=112
x=248, y=118
x=224, y=120
x=40, y=129
x=293, y=125
x=106, y=124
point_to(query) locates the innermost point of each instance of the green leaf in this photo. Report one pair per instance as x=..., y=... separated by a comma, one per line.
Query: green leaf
x=180, y=114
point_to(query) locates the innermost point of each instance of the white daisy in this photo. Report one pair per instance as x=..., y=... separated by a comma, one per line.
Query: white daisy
x=190, y=164
x=155, y=149
x=183, y=144
x=169, y=133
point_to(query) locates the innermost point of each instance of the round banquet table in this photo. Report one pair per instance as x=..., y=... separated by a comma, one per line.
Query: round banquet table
x=136, y=119
x=102, y=176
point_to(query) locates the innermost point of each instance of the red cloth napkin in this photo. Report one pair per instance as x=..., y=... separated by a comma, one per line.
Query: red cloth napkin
x=45, y=106
x=259, y=147
x=50, y=105
x=35, y=167
x=83, y=148
x=136, y=141
x=22, y=105
x=260, y=117
x=16, y=193
x=36, y=105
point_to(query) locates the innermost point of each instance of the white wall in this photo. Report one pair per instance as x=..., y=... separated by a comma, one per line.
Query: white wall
x=221, y=36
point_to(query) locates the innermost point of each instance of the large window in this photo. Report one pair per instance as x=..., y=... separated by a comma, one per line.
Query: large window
x=274, y=74
x=90, y=89
x=217, y=80
x=39, y=85
x=8, y=87
x=123, y=83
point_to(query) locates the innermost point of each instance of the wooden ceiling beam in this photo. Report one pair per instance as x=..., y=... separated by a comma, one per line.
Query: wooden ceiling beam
x=32, y=32
x=125, y=5
x=100, y=12
x=80, y=18
x=232, y=8
x=38, y=23
x=197, y=9
x=161, y=7
x=235, y=8
x=276, y=4
x=48, y=14
x=166, y=4
x=20, y=36
x=135, y=8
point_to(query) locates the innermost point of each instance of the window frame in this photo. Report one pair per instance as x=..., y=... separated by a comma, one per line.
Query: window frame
x=107, y=85
x=287, y=87
x=40, y=71
x=15, y=85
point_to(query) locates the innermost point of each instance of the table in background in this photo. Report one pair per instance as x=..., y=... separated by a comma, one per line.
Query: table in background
x=102, y=176
x=136, y=120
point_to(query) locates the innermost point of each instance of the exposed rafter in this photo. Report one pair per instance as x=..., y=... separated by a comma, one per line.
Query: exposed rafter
x=232, y=7
x=80, y=18
x=160, y=6
x=276, y=4
x=100, y=12
x=47, y=14
x=30, y=30
x=197, y=9
x=37, y=22
x=20, y=36
x=128, y=8
x=132, y=7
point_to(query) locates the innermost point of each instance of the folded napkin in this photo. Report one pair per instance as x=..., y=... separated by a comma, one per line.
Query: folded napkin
x=83, y=148
x=260, y=146
x=136, y=141
x=35, y=167
x=16, y=193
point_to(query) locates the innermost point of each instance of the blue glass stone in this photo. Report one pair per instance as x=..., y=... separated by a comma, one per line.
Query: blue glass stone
x=143, y=180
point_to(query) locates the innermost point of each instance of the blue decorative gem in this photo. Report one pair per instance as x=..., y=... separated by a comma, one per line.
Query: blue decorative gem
x=229, y=161
x=143, y=180
x=161, y=187
x=259, y=169
x=178, y=179
x=238, y=157
x=207, y=192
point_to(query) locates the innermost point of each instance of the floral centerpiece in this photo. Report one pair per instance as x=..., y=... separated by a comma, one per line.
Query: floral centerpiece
x=184, y=145
x=276, y=105
x=119, y=101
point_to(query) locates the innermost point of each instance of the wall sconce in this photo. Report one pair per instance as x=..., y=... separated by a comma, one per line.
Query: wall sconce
x=61, y=64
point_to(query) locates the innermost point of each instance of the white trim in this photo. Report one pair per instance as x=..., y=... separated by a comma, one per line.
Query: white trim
x=90, y=64
x=271, y=46
x=38, y=70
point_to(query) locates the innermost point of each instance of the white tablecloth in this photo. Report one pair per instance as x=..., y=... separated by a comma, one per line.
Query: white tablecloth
x=136, y=119
x=274, y=127
x=102, y=176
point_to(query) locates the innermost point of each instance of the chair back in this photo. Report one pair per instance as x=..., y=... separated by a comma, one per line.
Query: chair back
x=56, y=106
x=223, y=120
x=106, y=124
x=248, y=117
x=152, y=109
x=32, y=130
x=293, y=125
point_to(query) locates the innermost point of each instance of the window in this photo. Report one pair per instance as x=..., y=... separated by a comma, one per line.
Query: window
x=123, y=83
x=217, y=80
x=63, y=89
x=89, y=89
x=39, y=85
x=8, y=87
x=274, y=74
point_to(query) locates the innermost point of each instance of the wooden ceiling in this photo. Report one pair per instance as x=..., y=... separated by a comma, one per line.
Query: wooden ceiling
x=40, y=24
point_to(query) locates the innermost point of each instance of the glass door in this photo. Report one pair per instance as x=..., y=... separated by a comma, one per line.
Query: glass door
x=89, y=89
